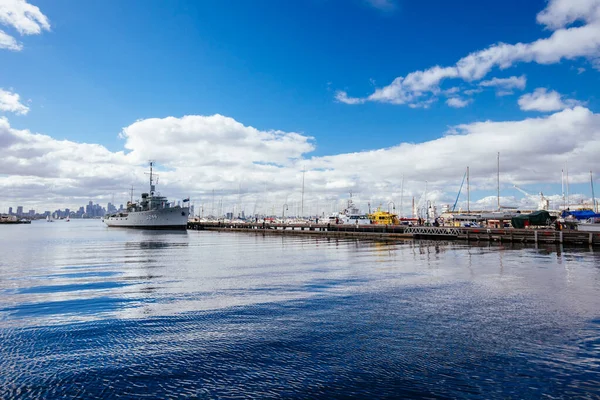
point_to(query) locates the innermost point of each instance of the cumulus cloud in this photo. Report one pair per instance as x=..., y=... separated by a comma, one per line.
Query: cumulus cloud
x=25, y=18
x=457, y=102
x=199, y=154
x=208, y=140
x=10, y=101
x=543, y=100
x=565, y=42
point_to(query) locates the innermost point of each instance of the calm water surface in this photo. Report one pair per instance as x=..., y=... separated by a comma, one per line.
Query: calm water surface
x=92, y=312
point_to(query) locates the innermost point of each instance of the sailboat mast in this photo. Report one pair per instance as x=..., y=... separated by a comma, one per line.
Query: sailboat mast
x=239, y=200
x=302, y=207
x=468, y=193
x=425, y=199
x=562, y=186
x=593, y=196
x=401, y=195
x=498, y=180
x=568, y=205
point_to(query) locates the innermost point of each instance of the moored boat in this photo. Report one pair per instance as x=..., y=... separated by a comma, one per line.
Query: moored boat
x=589, y=225
x=153, y=211
x=350, y=216
x=384, y=218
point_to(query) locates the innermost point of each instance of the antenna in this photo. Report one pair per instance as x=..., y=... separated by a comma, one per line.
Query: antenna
x=131, y=201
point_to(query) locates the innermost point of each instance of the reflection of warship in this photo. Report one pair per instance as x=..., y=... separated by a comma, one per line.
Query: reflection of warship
x=152, y=212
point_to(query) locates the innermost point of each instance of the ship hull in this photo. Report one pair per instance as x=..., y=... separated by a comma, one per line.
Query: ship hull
x=165, y=218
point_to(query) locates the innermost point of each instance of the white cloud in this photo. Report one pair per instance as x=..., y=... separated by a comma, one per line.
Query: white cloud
x=470, y=92
x=543, y=100
x=10, y=101
x=342, y=97
x=513, y=82
x=452, y=90
x=559, y=14
x=9, y=42
x=197, y=154
x=564, y=43
x=25, y=18
x=211, y=140
x=457, y=102
x=504, y=86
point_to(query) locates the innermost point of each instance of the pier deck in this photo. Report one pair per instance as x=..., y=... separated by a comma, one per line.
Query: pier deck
x=398, y=232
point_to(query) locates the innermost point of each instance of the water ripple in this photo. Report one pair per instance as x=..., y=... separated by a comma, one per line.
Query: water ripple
x=217, y=315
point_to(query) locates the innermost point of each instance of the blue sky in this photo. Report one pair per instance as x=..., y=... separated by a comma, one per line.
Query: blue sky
x=279, y=65
x=270, y=64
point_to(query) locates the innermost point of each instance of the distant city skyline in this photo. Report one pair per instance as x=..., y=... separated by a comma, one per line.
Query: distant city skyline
x=90, y=210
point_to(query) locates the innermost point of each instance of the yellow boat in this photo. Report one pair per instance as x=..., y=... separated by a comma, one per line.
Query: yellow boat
x=384, y=218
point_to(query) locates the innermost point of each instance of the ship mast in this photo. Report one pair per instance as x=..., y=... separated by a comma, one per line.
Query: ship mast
x=151, y=186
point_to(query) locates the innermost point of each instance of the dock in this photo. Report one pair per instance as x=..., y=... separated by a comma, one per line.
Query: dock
x=403, y=232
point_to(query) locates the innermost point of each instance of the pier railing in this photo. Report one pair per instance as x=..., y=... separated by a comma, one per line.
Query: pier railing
x=432, y=230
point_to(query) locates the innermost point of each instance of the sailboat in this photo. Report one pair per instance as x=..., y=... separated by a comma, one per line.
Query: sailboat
x=68, y=218
x=48, y=219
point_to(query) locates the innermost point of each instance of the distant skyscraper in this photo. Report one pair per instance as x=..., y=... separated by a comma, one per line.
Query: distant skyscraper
x=31, y=213
x=9, y=210
x=20, y=210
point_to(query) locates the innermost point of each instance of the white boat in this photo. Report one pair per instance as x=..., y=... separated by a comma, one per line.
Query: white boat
x=48, y=219
x=350, y=216
x=590, y=225
x=152, y=212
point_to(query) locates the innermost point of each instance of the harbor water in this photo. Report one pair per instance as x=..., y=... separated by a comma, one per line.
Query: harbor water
x=88, y=311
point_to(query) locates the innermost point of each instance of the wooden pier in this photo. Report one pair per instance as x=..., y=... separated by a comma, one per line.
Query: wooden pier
x=399, y=232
